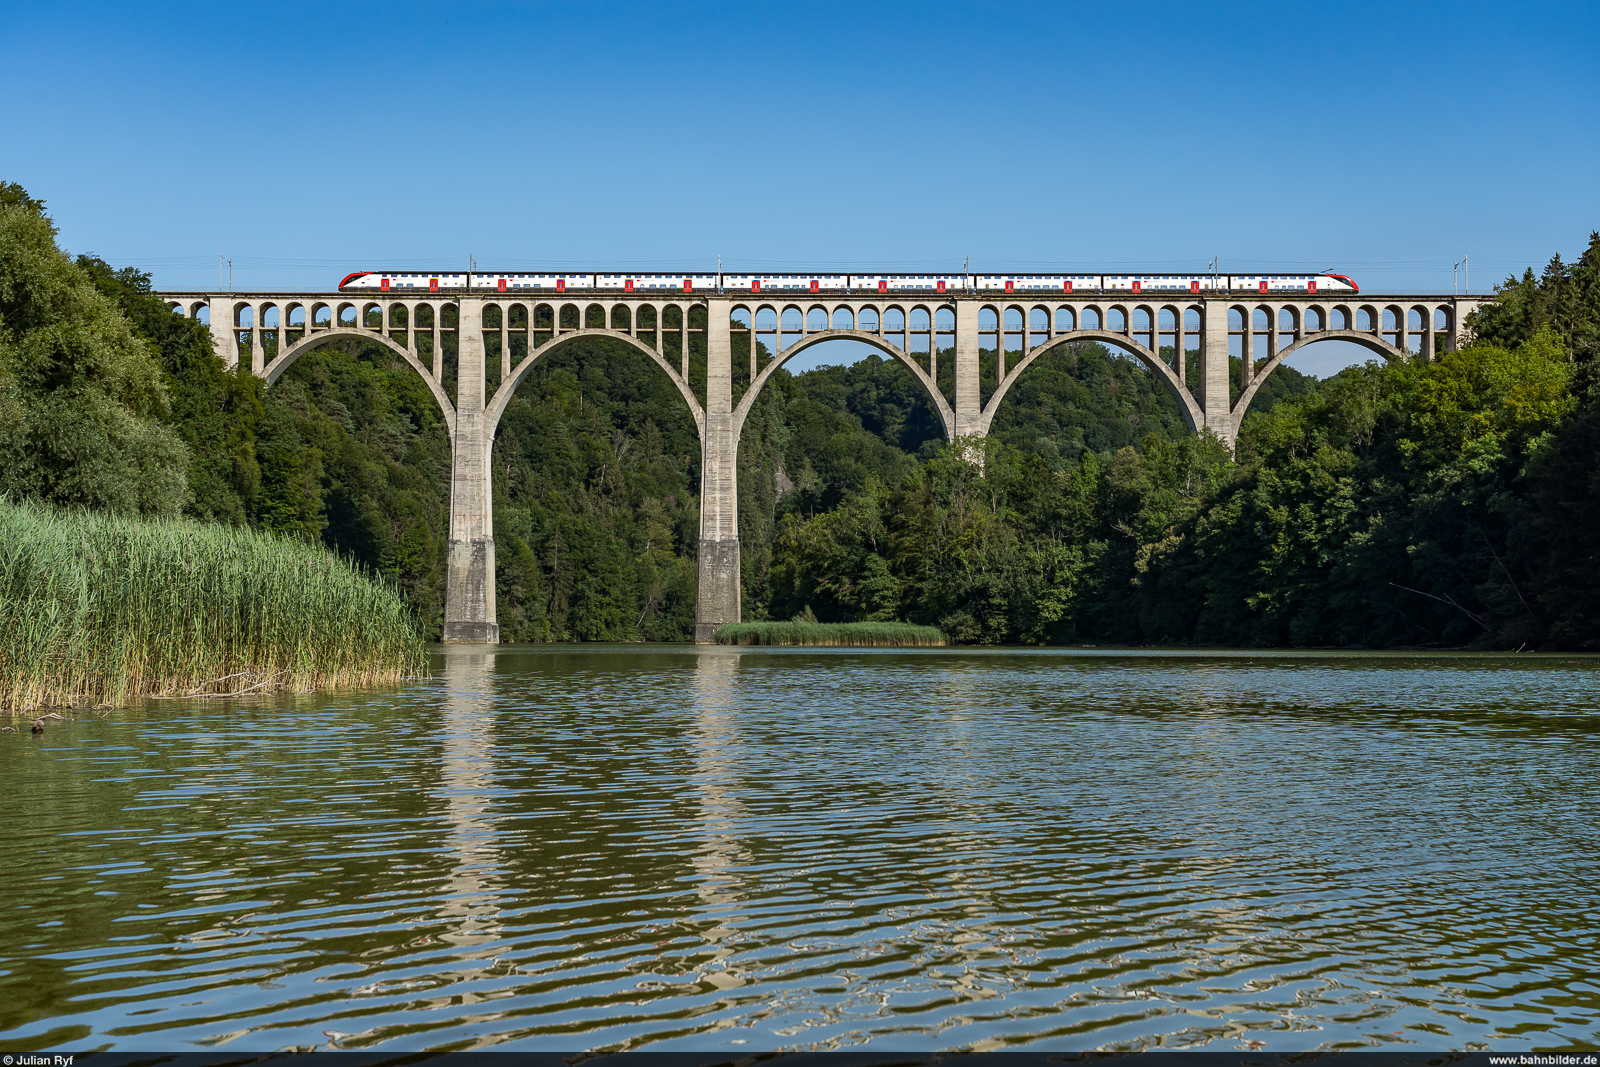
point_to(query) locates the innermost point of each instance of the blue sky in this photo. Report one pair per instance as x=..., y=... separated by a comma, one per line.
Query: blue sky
x=306, y=140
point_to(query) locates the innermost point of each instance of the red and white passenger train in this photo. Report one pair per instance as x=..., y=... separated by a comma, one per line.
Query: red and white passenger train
x=852, y=283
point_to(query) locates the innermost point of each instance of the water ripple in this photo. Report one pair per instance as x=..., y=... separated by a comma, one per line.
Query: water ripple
x=606, y=849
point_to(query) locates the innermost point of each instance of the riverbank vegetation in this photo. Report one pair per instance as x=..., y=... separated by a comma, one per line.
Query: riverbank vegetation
x=98, y=608
x=1445, y=504
x=836, y=634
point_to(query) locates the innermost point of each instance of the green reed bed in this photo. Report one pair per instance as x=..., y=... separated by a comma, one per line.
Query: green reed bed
x=859, y=634
x=97, y=609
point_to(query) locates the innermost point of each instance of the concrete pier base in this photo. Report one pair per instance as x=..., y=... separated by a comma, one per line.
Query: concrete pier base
x=718, y=601
x=469, y=593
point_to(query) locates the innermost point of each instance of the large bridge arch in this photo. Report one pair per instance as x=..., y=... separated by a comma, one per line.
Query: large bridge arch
x=502, y=395
x=1193, y=417
x=286, y=359
x=1360, y=337
x=941, y=406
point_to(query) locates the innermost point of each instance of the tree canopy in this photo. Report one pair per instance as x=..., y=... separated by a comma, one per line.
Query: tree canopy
x=82, y=396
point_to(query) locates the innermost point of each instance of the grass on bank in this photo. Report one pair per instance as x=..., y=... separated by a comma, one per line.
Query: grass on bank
x=860, y=634
x=97, y=609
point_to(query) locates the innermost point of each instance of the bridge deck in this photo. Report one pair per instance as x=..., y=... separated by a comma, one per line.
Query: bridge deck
x=990, y=295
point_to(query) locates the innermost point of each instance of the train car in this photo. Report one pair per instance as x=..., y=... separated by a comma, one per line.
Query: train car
x=385, y=280
x=1292, y=283
x=1052, y=283
x=524, y=280
x=1145, y=283
x=890, y=283
x=1325, y=282
x=763, y=283
x=681, y=282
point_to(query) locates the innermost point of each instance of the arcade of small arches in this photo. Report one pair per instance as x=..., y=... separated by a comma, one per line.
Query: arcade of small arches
x=270, y=331
x=1011, y=335
x=721, y=350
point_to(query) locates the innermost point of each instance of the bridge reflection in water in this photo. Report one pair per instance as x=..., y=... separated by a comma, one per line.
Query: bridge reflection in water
x=478, y=880
x=721, y=859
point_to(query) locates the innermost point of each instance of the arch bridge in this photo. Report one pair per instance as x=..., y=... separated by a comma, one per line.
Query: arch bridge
x=721, y=349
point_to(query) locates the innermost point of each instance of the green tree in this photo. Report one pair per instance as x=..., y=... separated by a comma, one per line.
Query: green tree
x=216, y=412
x=82, y=397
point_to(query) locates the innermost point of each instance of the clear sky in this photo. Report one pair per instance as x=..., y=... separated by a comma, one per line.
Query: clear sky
x=304, y=141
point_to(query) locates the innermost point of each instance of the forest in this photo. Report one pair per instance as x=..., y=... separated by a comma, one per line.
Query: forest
x=1448, y=504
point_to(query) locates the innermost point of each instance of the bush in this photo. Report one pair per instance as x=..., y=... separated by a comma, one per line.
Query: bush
x=859, y=634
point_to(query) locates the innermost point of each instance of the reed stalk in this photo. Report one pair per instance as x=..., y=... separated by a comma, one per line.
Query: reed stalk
x=101, y=609
x=854, y=634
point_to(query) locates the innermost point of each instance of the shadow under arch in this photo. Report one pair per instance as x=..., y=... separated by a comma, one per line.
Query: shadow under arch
x=1192, y=415
x=502, y=396
x=274, y=370
x=940, y=405
x=1376, y=344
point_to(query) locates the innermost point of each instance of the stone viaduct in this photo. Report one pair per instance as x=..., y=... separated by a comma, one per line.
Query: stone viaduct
x=498, y=337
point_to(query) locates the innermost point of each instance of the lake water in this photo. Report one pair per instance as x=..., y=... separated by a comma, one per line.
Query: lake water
x=607, y=848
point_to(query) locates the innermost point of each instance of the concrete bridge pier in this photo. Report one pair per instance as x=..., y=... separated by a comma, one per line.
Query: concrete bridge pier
x=718, y=601
x=469, y=566
x=968, y=408
x=1215, y=402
